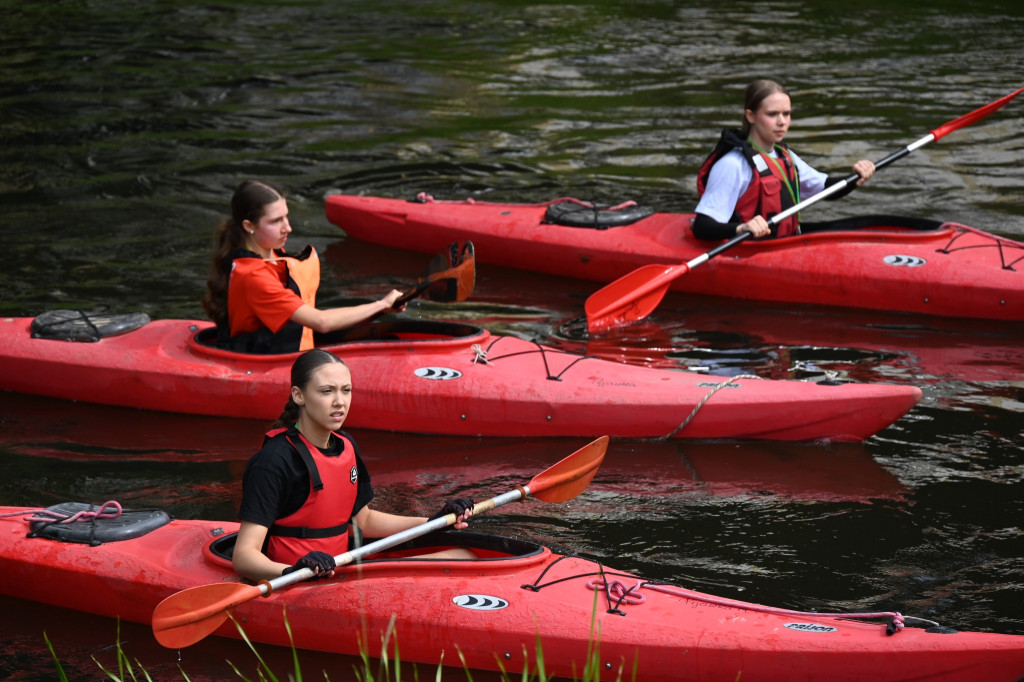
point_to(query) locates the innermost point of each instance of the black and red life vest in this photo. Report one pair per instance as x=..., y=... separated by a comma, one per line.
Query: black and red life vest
x=767, y=194
x=321, y=524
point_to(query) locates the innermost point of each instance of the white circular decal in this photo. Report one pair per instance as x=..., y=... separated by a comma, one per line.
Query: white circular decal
x=905, y=261
x=810, y=627
x=479, y=602
x=438, y=373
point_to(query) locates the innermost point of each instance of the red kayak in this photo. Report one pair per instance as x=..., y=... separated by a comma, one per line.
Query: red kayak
x=492, y=610
x=430, y=377
x=886, y=263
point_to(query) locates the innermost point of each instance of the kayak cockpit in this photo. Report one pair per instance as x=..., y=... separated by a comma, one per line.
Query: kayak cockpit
x=874, y=223
x=491, y=549
x=399, y=329
x=382, y=334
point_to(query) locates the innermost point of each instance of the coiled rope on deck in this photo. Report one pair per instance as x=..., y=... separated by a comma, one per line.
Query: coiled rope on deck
x=44, y=518
x=50, y=516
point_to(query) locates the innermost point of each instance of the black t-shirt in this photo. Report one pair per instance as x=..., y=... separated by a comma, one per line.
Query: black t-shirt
x=276, y=481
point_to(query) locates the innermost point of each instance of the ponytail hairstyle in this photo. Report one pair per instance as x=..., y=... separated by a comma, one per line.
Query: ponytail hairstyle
x=247, y=203
x=302, y=374
x=756, y=93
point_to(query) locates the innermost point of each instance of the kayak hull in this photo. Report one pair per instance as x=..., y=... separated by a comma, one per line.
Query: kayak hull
x=440, y=378
x=495, y=610
x=953, y=270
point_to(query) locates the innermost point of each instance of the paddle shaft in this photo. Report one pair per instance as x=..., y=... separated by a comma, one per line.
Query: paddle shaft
x=847, y=181
x=266, y=587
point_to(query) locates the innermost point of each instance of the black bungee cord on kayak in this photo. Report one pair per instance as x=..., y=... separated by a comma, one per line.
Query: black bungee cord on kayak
x=483, y=356
x=1001, y=244
x=617, y=595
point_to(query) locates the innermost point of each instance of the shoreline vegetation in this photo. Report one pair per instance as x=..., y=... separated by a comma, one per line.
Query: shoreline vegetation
x=385, y=669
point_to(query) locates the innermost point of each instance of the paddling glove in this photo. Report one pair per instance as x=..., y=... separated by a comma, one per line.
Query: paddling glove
x=314, y=560
x=458, y=507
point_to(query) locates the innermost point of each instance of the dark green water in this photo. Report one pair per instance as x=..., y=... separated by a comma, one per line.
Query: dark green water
x=124, y=126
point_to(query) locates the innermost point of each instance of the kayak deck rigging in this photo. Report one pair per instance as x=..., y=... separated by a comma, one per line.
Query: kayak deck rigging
x=483, y=356
x=1002, y=244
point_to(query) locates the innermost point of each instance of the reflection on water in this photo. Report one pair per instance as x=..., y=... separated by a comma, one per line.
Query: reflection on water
x=124, y=128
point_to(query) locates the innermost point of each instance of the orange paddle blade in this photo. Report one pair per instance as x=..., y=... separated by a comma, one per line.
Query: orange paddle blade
x=188, y=616
x=465, y=272
x=450, y=276
x=571, y=476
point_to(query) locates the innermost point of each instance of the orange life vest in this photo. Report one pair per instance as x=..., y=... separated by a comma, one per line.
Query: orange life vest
x=299, y=274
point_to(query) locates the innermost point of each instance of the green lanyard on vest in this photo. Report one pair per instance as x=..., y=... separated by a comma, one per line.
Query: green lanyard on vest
x=794, y=193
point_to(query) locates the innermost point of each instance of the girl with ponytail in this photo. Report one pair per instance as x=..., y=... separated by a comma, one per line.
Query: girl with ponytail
x=308, y=484
x=262, y=298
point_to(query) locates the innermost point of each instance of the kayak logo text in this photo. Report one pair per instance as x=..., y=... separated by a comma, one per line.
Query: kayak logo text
x=810, y=627
x=479, y=602
x=438, y=373
x=905, y=261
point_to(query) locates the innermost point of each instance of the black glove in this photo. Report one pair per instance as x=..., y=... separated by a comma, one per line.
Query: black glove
x=313, y=561
x=458, y=507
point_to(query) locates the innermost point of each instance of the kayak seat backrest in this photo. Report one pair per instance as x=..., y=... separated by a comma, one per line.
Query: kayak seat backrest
x=75, y=325
x=129, y=524
x=573, y=213
x=485, y=545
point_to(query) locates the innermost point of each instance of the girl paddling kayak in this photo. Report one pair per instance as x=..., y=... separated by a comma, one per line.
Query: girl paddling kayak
x=752, y=175
x=307, y=483
x=262, y=298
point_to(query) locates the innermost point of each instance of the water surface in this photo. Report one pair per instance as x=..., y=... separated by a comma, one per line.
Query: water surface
x=125, y=126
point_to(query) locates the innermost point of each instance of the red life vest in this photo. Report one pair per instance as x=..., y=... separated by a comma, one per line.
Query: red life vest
x=321, y=524
x=767, y=194
x=300, y=274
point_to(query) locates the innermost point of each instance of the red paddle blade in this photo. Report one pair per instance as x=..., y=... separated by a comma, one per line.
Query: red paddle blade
x=188, y=616
x=571, y=476
x=631, y=297
x=976, y=115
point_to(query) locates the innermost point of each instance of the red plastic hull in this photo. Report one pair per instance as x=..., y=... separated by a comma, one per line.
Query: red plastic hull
x=671, y=633
x=438, y=385
x=954, y=271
